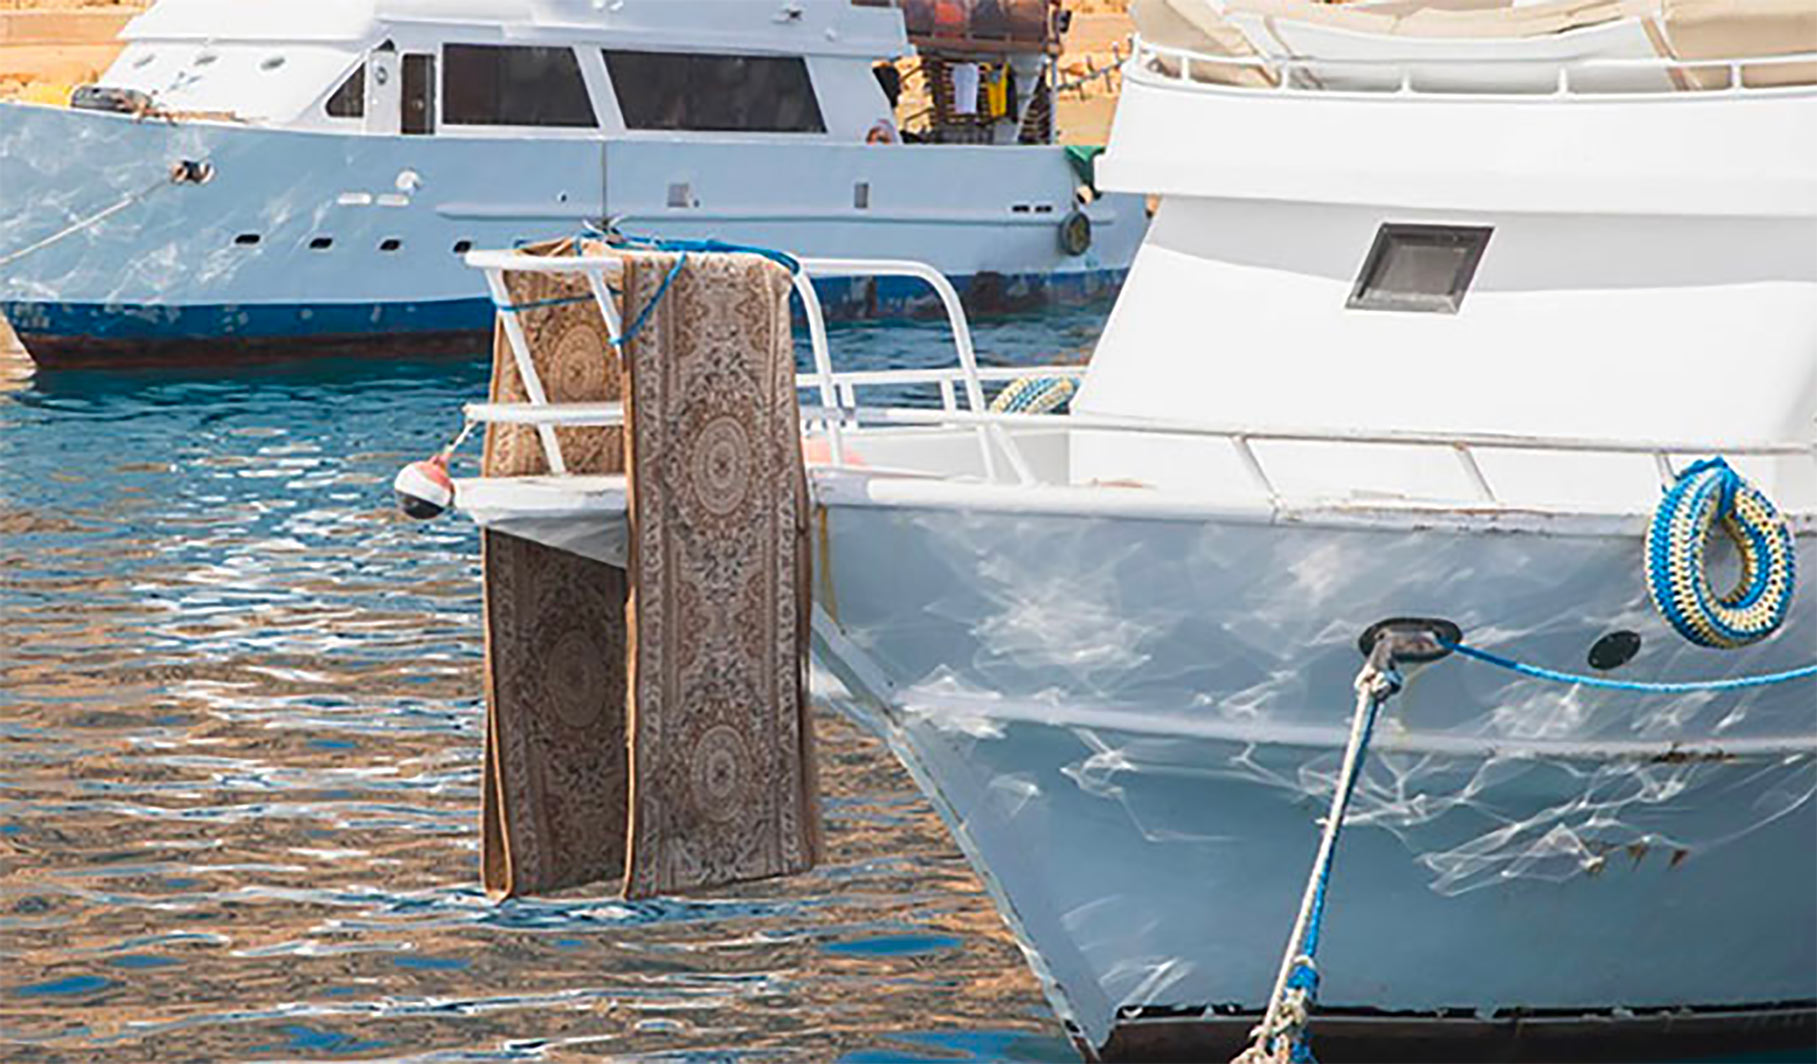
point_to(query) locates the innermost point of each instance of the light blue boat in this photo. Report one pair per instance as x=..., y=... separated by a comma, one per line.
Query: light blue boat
x=261, y=179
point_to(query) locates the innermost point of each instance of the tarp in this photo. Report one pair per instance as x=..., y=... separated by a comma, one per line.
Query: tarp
x=992, y=26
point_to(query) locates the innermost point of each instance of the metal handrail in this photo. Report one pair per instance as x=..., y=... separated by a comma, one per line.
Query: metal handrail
x=595, y=268
x=992, y=427
x=1404, y=70
x=1242, y=438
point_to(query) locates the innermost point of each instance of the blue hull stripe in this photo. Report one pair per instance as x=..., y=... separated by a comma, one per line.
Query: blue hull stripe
x=845, y=299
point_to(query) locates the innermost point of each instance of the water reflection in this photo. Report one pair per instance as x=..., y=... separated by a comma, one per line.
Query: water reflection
x=239, y=762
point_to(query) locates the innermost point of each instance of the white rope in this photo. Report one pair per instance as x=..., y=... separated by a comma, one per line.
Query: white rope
x=1288, y=1008
x=86, y=223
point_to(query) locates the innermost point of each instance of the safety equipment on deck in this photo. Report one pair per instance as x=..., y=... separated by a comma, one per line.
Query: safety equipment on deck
x=1034, y=395
x=424, y=489
x=1075, y=233
x=110, y=99
x=1707, y=496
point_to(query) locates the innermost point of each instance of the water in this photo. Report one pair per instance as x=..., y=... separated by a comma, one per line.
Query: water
x=239, y=767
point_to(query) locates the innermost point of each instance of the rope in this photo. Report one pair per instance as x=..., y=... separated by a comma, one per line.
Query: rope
x=644, y=314
x=85, y=223
x=708, y=246
x=1281, y=1036
x=559, y=301
x=1807, y=672
x=1709, y=496
x=466, y=429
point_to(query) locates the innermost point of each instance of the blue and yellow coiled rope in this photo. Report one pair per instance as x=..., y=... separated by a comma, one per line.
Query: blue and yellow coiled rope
x=1034, y=395
x=1709, y=495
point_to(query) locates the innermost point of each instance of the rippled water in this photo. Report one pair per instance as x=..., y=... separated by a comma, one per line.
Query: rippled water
x=239, y=767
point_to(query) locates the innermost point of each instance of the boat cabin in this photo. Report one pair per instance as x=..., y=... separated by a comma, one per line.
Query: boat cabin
x=1556, y=219
x=811, y=69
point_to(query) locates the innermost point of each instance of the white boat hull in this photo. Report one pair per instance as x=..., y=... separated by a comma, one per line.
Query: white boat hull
x=1133, y=724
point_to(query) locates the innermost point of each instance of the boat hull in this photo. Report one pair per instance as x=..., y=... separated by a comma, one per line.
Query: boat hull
x=1132, y=726
x=62, y=334
x=305, y=242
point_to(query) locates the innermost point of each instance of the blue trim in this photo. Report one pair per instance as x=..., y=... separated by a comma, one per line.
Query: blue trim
x=844, y=298
x=116, y=322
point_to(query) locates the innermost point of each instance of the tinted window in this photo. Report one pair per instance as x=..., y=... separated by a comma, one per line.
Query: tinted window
x=349, y=101
x=488, y=85
x=1420, y=268
x=720, y=93
x=419, y=86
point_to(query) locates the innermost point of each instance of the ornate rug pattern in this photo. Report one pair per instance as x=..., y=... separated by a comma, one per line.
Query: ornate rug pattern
x=721, y=747
x=652, y=724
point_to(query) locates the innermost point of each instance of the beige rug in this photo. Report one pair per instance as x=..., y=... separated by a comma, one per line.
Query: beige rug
x=650, y=728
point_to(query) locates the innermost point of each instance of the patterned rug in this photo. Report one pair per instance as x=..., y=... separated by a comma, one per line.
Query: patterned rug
x=650, y=726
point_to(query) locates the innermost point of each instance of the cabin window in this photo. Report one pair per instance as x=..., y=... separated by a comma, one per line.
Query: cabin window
x=519, y=85
x=1423, y=268
x=715, y=93
x=349, y=101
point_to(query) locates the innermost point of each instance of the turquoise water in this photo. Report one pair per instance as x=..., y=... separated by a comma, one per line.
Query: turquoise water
x=239, y=758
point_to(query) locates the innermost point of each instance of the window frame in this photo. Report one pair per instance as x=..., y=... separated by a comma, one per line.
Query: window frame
x=1365, y=293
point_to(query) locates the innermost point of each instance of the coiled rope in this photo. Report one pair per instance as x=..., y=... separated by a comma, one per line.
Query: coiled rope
x=1034, y=395
x=1709, y=496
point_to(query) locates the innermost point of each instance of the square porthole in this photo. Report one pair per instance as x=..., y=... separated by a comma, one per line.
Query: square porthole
x=321, y=243
x=390, y=243
x=461, y=247
x=247, y=240
x=1420, y=268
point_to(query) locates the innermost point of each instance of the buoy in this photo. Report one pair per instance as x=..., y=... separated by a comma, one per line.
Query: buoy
x=424, y=489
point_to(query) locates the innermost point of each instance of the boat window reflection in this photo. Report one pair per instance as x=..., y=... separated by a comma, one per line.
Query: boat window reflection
x=714, y=93
x=491, y=85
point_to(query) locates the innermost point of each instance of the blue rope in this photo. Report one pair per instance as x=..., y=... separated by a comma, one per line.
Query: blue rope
x=1807, y=672
x=643, y=315
x=515, y=308
x=707, y=246
x=1306, y=976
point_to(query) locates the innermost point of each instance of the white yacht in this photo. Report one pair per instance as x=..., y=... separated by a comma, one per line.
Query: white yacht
x=1438, y=301
x=256, y=177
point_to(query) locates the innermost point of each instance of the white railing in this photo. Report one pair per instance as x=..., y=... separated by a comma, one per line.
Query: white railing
x=838, y=411
x=600, y=270
x=1571, y=78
